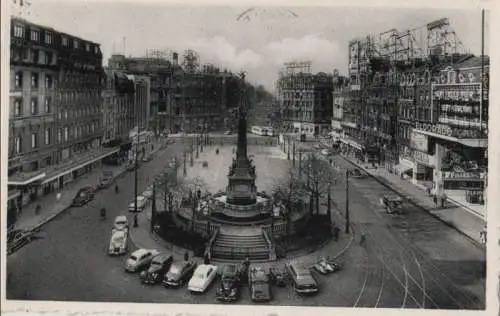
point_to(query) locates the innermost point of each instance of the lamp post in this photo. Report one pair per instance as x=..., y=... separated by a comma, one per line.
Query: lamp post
x=153, y=207
x=288, y=149
x=197, y=141
x=293, y=156
x=184, y=163
x=300, y=163
x=347, y=224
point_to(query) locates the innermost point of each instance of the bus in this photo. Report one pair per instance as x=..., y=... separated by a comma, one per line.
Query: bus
x=259, y=130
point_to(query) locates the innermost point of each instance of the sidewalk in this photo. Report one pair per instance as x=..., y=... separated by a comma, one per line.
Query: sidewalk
x=51, y=207
x=454, y=215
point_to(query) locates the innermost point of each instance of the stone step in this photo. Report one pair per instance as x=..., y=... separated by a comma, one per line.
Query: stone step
x=241, y=257
x=240, y=245
x=237, y=238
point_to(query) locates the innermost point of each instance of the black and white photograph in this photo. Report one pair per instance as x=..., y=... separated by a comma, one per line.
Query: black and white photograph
x=245, y=155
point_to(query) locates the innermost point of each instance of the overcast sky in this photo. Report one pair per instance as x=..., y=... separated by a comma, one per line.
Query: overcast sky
x=259, y=41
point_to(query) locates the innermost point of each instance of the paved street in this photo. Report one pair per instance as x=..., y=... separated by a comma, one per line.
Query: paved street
x=412, y=260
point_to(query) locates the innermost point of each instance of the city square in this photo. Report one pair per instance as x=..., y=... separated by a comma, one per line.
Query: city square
x=363, y=189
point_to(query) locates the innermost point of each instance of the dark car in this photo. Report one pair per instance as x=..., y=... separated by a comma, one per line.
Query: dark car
x=303, y=281
x=229, y=289
x=17, y=239
x=392, y=204
x=179, y=273
x=105, y=180
x=260, y=289
x=83, y=196
x=278, y=277
x=160, y=264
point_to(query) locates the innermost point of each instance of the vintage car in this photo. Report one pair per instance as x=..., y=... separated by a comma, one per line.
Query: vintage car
x=303, y=281
x=278, y=276
x=141, y=203
x=356, y=173
x=324, y=266
x=118, y=243
x=159, y=266
x=202, y=277
x=18, y=238
x=260, y=289
x=105, y=180
x=179, y=273
x=83, y=196
x=148, y=193
x=121, y=222
x=392, y=204
x=229, y=289
x=140, y=259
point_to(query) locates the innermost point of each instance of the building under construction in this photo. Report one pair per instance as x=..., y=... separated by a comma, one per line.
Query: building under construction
x=391, y=75
x=185, y=96
x=304, y=99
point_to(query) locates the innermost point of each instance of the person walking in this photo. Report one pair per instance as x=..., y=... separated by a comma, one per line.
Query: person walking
x=186, y=256
x=362, y=240
x=443, y=200
x=435, y=199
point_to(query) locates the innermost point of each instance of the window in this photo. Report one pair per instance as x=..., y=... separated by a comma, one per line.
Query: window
x=48, y=38
x=96, y=49
x=58, y=136
x=48, y=58
x=48, y=82
x=87, y=47
x=18, y=143
x=35, y=54
x=75, y=44
x=18, y=107
x=66, y=132
x=47, y=104
x=34, y=140
x=47, y=136
x=64, y=41
x=34, y=80
x=18, y=30
x=18, y=80
x=34, y=106
x=65, y=114
x=35, y=35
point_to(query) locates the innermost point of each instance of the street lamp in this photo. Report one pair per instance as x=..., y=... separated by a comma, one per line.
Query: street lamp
x=184, y=163
x=347, y=224
x=293, y=156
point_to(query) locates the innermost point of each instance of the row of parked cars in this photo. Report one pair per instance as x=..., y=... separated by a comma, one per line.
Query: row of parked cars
x=142, y=200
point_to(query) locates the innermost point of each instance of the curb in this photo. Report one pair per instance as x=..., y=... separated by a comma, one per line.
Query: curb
x=390, y=187
x=53, y=216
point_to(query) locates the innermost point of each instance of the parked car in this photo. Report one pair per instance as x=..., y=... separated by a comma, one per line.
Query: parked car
x=121, y=222
x=83, y=196
x=203, y=276
x=179, y=273
x=18, y=238
x=148, y=194
x=105, y=180
x=325, y=152
x=278, y=276
x=146, y=158
x=303, y=281
x=229, y=289
x=141, y=203
x=140, y=259
x=392, y=204
x=228, y=133
x=118, y=243
x=324, y=266
x=159, y=266
x=260, y=289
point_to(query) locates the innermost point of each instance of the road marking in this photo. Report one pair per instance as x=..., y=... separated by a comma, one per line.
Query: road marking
x=403, y=266
x=381, y=287
x=364, y=282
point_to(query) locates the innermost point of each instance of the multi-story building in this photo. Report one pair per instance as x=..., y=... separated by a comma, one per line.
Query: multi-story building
x=452, y=146
x=55, y=110
x=340, y=92
x=305, y=99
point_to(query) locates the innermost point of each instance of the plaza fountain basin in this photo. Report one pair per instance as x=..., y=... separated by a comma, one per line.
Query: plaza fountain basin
x=218, y=205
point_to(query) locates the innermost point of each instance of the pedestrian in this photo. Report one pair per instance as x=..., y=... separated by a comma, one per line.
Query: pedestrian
x=428, y=191
x=136, y=223
x=362, y=239
x=435, y=199
x=58, y=196
x=186, y=256
x=206, y=259
x=443, y=200
x=336, y=232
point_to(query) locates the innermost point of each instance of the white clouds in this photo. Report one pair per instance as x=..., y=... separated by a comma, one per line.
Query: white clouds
x=218, y=50
x=310, y=47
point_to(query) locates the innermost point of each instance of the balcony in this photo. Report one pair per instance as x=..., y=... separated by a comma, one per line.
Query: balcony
x=39, y=119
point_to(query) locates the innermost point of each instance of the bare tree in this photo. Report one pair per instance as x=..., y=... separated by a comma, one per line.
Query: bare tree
x=290, y=191
x=195, y=188
x=318, y=178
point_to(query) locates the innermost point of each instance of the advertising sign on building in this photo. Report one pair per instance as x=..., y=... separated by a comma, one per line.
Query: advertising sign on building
x=419, y=142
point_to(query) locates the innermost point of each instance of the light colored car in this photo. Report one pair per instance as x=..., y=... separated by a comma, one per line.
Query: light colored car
x=121, y=222
x=140, y=259
x=118, y=242
x=141, y=203
x=325, y=152
x=202, y=277
x=148, y=194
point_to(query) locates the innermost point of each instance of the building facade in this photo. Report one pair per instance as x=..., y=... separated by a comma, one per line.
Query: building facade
x=340, y=92
x=55, y=121
x=305, y=99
